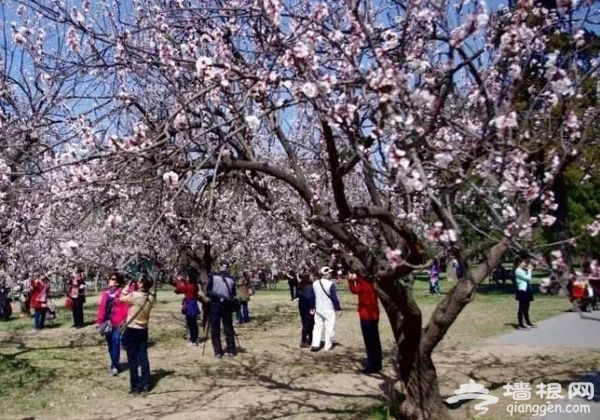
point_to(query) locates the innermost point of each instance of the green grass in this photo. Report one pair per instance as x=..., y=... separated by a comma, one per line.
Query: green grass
x=38, y=375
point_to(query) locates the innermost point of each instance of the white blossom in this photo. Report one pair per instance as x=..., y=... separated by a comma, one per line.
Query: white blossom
x=171, y=179
x=253, y=122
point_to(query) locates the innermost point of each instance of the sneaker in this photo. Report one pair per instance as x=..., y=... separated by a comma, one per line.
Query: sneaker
x=191, y=344
x=114, y=371
x=219, y=356
x=314, y=349
x=229, y=354
x=523, y=328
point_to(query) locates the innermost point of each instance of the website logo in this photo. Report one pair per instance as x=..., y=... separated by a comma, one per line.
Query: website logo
x=474, y=391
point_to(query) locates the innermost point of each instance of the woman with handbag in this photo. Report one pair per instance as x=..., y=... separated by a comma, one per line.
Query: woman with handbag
x=189, y=305
x=135, y=337
x=111, y=315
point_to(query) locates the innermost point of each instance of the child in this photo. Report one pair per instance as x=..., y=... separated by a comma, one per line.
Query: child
x=434, y=278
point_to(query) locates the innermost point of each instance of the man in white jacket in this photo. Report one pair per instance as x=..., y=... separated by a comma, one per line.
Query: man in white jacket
x=326, y=304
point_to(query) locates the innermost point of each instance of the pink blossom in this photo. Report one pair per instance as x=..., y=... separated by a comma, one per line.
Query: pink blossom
x=394, y=257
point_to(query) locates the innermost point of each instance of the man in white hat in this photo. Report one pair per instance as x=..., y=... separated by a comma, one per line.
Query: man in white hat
x=326, y=304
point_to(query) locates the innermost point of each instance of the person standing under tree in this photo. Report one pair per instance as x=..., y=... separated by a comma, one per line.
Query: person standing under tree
x=189, y=305
x=135, y=337
x=292, y=284
x=434, y=278
x=244, y=292
x=76, y=291
x=23, y=293
x=524, y=293
x=326, y=305
x=306, y=301
x=368, y=312
x=40, y=291
x=112, y=310
x=221, y=291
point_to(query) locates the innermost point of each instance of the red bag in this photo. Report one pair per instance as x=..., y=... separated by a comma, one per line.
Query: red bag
x=68, y=302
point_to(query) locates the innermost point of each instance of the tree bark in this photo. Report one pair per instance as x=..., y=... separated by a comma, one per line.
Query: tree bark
x=417, y=374
x=421, y=390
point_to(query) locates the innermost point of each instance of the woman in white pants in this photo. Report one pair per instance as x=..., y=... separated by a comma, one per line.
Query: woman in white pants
x=326, y=305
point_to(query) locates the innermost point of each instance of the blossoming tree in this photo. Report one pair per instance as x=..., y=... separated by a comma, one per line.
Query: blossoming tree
x=373, y=128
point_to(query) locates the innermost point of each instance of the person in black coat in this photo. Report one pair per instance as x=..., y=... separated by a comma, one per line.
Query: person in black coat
x=306, y=301
x=293, y=284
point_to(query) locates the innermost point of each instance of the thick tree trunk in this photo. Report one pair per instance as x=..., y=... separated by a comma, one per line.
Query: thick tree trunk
x=421, y=390
x=417, y=374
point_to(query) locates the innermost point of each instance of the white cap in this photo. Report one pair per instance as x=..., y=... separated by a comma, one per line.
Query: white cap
x=325, y=271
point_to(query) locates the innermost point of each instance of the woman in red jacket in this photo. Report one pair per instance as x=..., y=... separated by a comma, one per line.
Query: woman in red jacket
x=40, y=291
x=368, y=312
x=111, y=315
x=189, y=306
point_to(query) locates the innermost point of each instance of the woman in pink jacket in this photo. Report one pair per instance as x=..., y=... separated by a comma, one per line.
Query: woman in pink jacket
x=111, y=315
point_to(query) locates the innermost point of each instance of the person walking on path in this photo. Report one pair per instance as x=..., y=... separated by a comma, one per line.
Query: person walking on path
x=189, y=306
x=112, y=313
x=524, y=294
x=40, y=292
x=221, y=291
x=306, y=301
x=368, y=312
x=326, y=305
x=135, y=337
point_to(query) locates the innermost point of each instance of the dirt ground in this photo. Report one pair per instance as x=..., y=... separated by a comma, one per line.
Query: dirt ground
x=271, y=378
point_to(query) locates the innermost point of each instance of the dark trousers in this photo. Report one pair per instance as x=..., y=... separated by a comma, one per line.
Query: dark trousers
x=434, y=287
x=192, y=324
x=293, y=290
x=523, y=311
x=39, y=318
x=308, y=322
x=78, y=311
x=370, y=332
x=218, y=315
x=242, y=314
x=113, y=341
x=136, y=345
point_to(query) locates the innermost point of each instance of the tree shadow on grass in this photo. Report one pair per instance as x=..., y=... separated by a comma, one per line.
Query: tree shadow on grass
x=279, y=387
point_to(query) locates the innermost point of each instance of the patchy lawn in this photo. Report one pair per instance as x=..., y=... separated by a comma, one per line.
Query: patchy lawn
x=62, y=373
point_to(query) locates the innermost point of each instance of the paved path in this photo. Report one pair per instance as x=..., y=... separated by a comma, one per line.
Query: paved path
x=566, y=330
